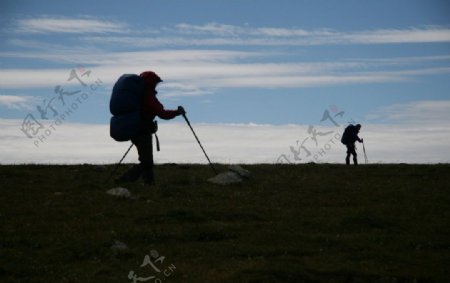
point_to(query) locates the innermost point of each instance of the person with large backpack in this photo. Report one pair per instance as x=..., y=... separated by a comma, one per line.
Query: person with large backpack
x=134, y=107
x=349, y=137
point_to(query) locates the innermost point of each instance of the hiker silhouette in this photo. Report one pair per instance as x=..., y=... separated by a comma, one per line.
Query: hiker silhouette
x=349, y=137
x=142, y=139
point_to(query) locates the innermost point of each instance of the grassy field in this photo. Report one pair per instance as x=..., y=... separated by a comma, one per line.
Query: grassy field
x=303, y=223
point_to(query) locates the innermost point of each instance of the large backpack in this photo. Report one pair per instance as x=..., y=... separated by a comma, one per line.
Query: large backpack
x=347, y=136
x=125, y=105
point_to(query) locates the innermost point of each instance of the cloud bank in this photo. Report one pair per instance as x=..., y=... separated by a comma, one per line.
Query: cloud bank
x=199, y=72
x=73, y=143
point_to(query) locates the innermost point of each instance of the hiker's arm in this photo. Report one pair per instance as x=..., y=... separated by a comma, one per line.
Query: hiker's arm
x=165, y=114
x=154, y=107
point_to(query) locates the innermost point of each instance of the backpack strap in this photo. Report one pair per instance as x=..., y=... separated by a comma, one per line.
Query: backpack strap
x=157, y=142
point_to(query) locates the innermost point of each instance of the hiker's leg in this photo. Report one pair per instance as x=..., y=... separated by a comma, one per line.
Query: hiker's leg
x=355, y=158
x=347, y=158
x=144, y=145
x=137, y=170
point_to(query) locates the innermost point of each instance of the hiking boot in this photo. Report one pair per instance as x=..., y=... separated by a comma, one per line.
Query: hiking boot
x=131, y=175
x=148, y=176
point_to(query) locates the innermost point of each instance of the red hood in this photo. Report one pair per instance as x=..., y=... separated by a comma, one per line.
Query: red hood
x=151, y=78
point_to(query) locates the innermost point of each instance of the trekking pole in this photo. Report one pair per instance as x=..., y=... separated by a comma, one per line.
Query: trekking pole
x=189, y=124
x=365, y=155
x=117, y=165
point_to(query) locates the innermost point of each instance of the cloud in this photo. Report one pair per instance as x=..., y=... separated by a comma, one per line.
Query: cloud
x=68, y=25
x=17, y=102
x=429, y=112
x=214, y=34
x=181, y=89
x=285, y=32
x=226, y=143
x=98, y=57
x=210, y=28
x=182, y=54
x=297, y=36
x=195, y=72
x=390, y=36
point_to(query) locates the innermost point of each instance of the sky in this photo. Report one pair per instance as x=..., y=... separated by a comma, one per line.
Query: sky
x=262, y=81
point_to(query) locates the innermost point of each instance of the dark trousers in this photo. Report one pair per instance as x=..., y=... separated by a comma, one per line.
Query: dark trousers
x=144, y=144
x=351, y=151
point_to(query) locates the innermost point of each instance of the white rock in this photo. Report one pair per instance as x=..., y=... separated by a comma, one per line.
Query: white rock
x=119, y=246
x=226, y=178
x=239, y=170
x=119, y=192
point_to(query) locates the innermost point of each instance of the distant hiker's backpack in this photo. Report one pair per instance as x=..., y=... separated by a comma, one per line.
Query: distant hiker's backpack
x=347, y=135
x=125, y=105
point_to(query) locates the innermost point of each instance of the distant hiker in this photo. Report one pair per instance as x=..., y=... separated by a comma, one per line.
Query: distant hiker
x=135, y=107
x=349, y=137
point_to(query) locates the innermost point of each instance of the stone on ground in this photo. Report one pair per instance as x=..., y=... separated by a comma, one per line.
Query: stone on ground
x=119, y=192
x=118, y=247
x=226, y=178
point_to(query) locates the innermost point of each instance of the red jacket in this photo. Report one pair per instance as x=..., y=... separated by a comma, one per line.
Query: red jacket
x=153, y=108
